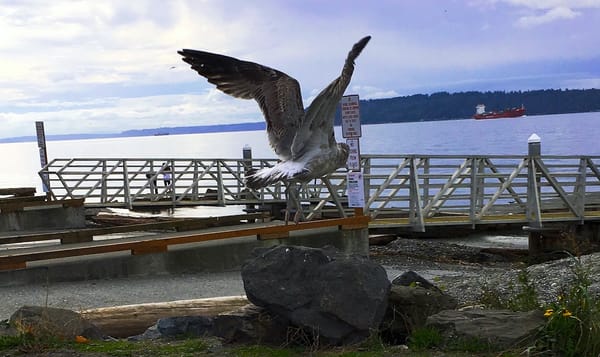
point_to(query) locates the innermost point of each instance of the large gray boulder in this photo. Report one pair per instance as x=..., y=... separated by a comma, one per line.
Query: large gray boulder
x=500, y=328
x=339, y=298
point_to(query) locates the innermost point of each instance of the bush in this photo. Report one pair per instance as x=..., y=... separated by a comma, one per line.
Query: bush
x=573, y=327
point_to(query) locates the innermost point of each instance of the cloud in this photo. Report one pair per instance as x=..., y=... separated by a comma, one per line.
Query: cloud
x=582, y=83
x=551, y=15
x=112, y=65
x=540, y=12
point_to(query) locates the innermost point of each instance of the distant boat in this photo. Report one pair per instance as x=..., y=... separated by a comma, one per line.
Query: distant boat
x=480, y=113
x=160, y=134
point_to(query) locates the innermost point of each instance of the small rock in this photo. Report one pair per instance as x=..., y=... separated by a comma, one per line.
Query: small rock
x=500, y=328
x=411, y=278
x=409, y=306
x=50, y=321
x=184, y=325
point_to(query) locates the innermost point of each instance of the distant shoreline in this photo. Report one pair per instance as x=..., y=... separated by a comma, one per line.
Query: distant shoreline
x=414, y=108
x=201, y=129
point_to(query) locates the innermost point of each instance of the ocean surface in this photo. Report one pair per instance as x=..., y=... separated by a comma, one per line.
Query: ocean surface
x=564, y=134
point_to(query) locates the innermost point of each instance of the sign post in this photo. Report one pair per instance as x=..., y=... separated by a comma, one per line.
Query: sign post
x=41, y=140
x=351, y=130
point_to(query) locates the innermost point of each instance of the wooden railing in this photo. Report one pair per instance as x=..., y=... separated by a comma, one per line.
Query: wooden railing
x=417, y=188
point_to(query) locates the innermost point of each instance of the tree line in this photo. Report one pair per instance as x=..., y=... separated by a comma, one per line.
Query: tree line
x=444, y=105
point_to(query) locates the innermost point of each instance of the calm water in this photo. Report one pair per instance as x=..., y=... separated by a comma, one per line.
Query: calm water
x=566, y=134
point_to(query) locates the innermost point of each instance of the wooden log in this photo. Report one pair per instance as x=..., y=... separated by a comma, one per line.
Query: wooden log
x=17, y=191
x=131, y=320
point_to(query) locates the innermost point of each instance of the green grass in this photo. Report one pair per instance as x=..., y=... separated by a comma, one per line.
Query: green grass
x=425, y=338
x=183, y=348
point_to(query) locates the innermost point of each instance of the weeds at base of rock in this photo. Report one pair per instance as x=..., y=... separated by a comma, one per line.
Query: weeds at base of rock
x=425, y=338
x=573, y=325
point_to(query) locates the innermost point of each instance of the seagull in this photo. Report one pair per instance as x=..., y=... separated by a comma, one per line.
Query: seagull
x=303, y=139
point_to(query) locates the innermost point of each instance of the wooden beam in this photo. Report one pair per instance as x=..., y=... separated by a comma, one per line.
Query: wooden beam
x=149, y=249
x=17, y=191
x=79, y=235
x=19, y=205
x=130, y=320
x=22, y=199
x=12, y=266
x=149, y=244
x=268, y=236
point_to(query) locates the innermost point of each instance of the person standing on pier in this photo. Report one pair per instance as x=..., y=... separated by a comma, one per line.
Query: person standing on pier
x=151, y=176
x=167, y=176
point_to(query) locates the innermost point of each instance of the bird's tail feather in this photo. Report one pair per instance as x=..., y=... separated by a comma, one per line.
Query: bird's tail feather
x=270, y=175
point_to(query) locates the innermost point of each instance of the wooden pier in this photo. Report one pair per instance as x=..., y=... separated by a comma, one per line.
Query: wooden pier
x=411, y=191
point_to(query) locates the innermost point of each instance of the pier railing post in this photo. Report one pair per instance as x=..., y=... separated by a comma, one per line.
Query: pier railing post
x=415, y=204
x=247, y=166
x=533, y=213
x=104, y=185
x=126, y=191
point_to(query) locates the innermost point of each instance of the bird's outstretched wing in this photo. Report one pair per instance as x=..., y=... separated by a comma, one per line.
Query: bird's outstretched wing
x=321, y=112
x=277, y=94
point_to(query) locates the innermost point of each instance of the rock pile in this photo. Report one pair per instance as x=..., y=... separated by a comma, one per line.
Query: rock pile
x=322, y=297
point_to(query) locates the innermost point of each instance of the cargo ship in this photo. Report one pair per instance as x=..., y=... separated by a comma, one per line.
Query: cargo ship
x=480, y=113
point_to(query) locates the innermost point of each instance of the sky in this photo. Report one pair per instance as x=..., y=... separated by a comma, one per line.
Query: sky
x=107, y=66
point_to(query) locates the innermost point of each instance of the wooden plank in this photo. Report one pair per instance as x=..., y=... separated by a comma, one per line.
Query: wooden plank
x=19, y=205
x=22, y=199
x=12, y=266
x=80, y=235
x=149, y=249
x=268, y=236
x=17, y=191
x=143, y=244
x=349, y=227
x=77, y=237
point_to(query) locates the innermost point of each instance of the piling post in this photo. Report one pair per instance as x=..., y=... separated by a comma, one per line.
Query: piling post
x=247, y=165
x=533, y=214
x=126, y=191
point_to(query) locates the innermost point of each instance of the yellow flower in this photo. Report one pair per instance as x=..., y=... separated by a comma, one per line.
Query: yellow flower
x=548, y=313
x=567, y=313
x=81, y=339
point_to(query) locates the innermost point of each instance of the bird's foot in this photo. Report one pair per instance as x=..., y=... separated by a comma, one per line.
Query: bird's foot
x=298, y=216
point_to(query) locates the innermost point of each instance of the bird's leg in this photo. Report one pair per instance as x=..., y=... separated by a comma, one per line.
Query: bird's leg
x=288, y=201
x=293, y=202
x=299, y=216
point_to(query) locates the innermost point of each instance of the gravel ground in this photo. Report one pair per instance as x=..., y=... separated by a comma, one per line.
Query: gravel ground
x=461, y=271
x=134, y=290
x=466, y=272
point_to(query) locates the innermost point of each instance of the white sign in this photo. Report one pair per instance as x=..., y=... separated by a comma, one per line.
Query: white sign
x=356, y=189
x=350, y=117
x=353, y=162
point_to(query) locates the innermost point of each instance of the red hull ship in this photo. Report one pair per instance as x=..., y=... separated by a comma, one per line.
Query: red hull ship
x=480, y=113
